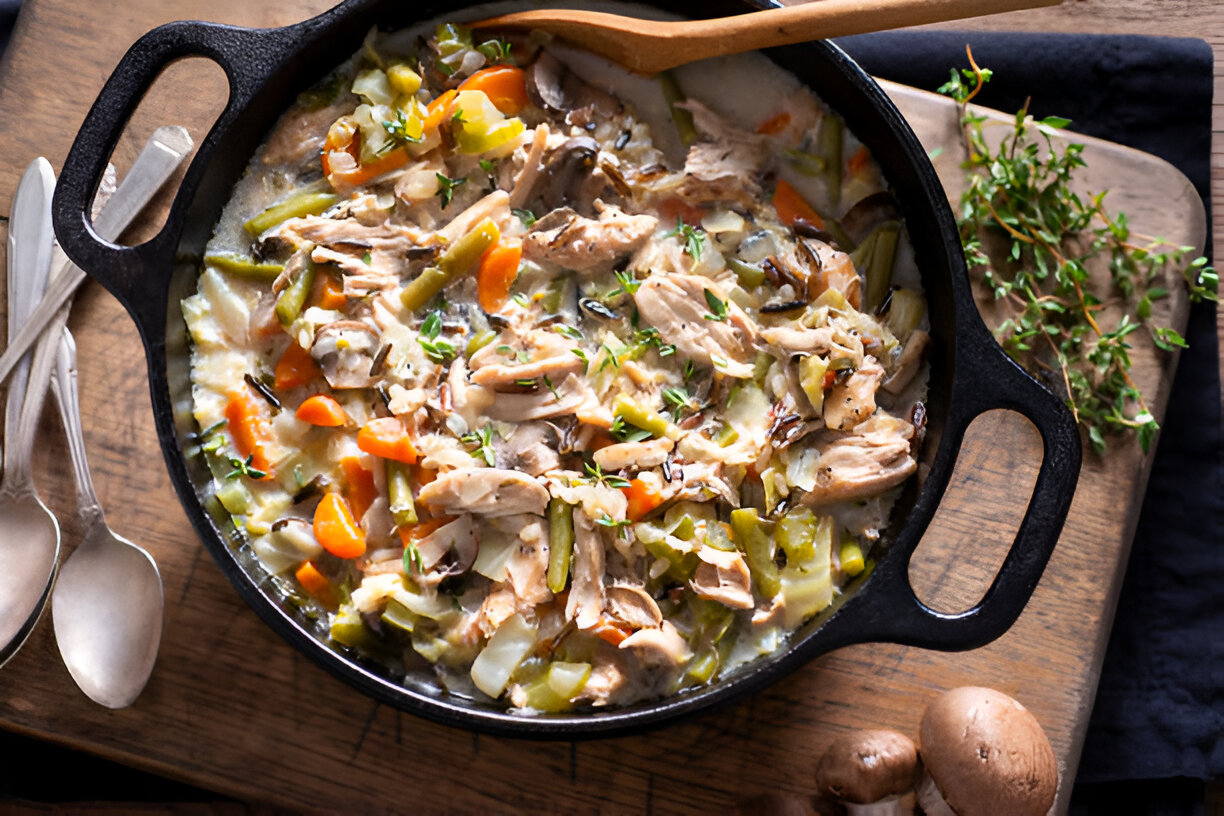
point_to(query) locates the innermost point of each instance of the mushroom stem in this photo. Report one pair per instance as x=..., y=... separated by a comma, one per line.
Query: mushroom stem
x=931, y=800
x=893, y=806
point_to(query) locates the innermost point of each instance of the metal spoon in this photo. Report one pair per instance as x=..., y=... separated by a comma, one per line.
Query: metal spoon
x=29, y=534
x=107, y=604
x=650, y=46
x=30, y=560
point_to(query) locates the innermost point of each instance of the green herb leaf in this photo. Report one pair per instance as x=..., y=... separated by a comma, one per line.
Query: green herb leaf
x=446, y=188
x=718, y=308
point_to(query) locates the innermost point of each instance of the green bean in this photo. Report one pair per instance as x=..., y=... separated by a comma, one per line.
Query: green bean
x=295, y=206
x=831, y=143
x=682, y=118
x=758, y=550
x=290, y=301
x=641, y=417
x=399, y=493
x=459, y=258
x=422, y=289
x=875, y=256
x=560, y=544
x=244, y=267
x=479, y=341
x=463, y=254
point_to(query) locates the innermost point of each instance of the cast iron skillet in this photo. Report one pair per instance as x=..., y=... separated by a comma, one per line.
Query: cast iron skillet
x=267, y=68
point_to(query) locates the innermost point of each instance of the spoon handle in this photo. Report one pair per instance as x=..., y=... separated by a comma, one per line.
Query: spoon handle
x=29, y=260
x=650, y=46
x=21, y=447
x=64, y=386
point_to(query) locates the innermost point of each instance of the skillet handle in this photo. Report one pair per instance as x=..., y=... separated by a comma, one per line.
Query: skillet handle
x=134, y=274
x=986, y=379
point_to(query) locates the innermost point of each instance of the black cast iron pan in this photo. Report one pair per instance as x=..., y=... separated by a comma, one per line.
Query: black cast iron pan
x=267, y=68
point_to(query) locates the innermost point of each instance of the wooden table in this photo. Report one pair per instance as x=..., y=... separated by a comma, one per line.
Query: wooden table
x=232, y=708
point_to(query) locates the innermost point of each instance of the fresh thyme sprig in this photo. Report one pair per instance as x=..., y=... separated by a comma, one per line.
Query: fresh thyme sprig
x=596, y=476
x=481, y=445
x=1020, y=202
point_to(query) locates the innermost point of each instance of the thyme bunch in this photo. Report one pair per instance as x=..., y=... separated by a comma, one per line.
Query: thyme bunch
x=1030, y=238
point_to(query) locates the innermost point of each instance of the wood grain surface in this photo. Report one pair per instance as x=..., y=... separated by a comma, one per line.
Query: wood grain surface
x=232, y=708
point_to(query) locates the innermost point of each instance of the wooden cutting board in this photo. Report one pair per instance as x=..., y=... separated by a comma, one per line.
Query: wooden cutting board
x=232, y=708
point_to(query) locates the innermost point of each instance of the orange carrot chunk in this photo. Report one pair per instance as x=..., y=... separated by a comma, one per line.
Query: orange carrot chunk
x=505, y=85
x=335, y=528
x=328, y=290
x=359, y=486
x=316, y=584
x=496, y=273
x=643, y=498
x=323, y=411
x=791, y=206
x=294, y=368
x=610, y=631
x=387, y=437
x=774, y=124
x=246, y=426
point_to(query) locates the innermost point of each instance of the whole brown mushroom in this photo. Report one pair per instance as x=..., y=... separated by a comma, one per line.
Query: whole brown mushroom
x=870, y=772
x=984, y=753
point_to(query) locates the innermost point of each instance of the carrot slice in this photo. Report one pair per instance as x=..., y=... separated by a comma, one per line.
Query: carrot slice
x=774, y=124
x=642, y=497
x=439, y=109
x=392, y=160
x=246, y=424
x=359, y=486
x=791, y=206
x=858, y=163
x=387, y=437
x=335, y=528
x=295, y=367
x=316, y=584
x=323, y=411
x=328, y=290
x=495, y=274
x=610, y=631
x=505, y=85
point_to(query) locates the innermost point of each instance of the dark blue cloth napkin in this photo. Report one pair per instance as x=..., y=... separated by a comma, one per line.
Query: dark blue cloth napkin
x=1159, y=711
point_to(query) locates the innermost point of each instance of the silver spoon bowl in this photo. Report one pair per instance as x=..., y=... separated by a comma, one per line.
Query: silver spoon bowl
x=107, y=604
x=29, y=534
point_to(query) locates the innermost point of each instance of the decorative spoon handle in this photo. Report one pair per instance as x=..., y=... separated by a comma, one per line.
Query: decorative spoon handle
x=650, y=46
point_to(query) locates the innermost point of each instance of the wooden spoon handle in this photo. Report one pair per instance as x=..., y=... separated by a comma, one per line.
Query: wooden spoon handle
x=649, y=46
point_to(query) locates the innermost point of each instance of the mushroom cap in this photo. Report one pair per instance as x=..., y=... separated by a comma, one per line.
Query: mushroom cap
x=864, y=767
x=987, y=754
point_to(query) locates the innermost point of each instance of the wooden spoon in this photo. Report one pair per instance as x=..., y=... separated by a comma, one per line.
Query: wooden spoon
x=650, y=46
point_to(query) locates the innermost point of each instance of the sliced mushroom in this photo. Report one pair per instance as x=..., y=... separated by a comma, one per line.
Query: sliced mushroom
x=345, y=351
x=531, y=447
x=723, y=576
x=868, y=213
x=633, y=605
x=571, y=394
x=485, y=492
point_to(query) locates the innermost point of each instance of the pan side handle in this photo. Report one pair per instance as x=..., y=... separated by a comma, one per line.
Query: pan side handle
x=132, y=274
x=887, y=609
